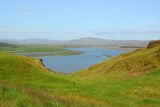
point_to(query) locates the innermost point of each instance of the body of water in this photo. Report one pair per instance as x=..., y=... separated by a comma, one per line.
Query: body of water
x=68, y=64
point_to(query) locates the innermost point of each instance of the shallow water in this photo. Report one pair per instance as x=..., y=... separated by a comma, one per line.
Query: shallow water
x=68, y=64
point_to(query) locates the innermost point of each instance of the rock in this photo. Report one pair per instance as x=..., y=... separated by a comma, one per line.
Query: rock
x=41, y=60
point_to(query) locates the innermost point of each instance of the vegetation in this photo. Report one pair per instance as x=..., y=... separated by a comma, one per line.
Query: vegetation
x=6, y=45
x=131, y=47
x=41, y=50
x=128, y=80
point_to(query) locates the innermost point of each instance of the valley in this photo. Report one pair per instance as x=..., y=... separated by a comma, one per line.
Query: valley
x=127, y=80
x=80, y=53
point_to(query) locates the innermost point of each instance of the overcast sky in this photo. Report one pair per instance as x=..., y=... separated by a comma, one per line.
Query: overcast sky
x=71, y=19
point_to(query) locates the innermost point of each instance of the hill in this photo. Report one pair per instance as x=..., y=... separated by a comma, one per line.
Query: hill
x=88, y=41
x=136, y=62
x=128, y=80
x=25, y=82
x=106, y=42
x=3, y=45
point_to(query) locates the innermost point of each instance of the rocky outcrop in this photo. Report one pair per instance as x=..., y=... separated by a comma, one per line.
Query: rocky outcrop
x=153, y=44
x=41, y=61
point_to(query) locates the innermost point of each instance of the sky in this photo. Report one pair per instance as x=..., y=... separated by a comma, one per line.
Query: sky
x=72, y=19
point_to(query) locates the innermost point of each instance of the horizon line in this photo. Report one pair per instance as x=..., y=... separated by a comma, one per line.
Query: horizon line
x=75, y=39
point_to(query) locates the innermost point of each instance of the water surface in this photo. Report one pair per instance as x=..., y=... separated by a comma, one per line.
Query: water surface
x=68, y=64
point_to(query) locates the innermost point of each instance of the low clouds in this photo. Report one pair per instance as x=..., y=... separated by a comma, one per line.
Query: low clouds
x=114, y=33
x=120, y=32
x=44, y=33
x=10, y=30
x=128, y=32
x=28, y=8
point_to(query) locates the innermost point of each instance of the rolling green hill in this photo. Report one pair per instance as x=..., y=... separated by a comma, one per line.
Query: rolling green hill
x=128, y=80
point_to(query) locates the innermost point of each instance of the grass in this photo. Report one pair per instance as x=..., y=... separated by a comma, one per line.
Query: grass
x=45, y=50
x=24, y=82
x=132, y=64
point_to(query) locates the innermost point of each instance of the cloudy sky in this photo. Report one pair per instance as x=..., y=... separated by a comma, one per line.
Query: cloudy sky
x=71, y=19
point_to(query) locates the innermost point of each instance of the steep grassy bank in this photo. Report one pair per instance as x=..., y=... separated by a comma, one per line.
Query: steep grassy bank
x=128, y=80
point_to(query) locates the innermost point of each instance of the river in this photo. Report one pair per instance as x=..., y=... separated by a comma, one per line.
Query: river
x=72, y=63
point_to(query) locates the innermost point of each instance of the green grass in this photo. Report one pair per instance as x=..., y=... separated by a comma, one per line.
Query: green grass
x=47, y=49
x=24, y=82
x=30, y=80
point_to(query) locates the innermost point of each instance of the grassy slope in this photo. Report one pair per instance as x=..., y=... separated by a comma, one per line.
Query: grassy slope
x=128, y=80
x=130, y=64
x=24, y=82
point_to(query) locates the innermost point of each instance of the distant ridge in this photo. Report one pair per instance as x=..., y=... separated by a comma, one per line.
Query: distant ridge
x=30, y=41
x=88, y=41
x=2, y=44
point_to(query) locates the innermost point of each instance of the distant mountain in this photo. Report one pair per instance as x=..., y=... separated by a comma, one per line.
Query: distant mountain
x=2, y=44
x=40, y=41
x=109, y=43
x=88, y=41
x=31, y=41
x=9, y=41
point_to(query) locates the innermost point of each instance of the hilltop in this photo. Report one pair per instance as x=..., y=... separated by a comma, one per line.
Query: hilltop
x=128, y=80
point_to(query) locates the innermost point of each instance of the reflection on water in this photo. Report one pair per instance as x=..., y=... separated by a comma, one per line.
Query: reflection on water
x=68, y=64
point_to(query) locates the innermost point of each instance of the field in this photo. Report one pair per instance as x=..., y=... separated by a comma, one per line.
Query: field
x=128, y=80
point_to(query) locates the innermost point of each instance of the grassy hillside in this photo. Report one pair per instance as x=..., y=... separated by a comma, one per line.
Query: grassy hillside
x=130, y=64
x=25, y=82
x=128, y=80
